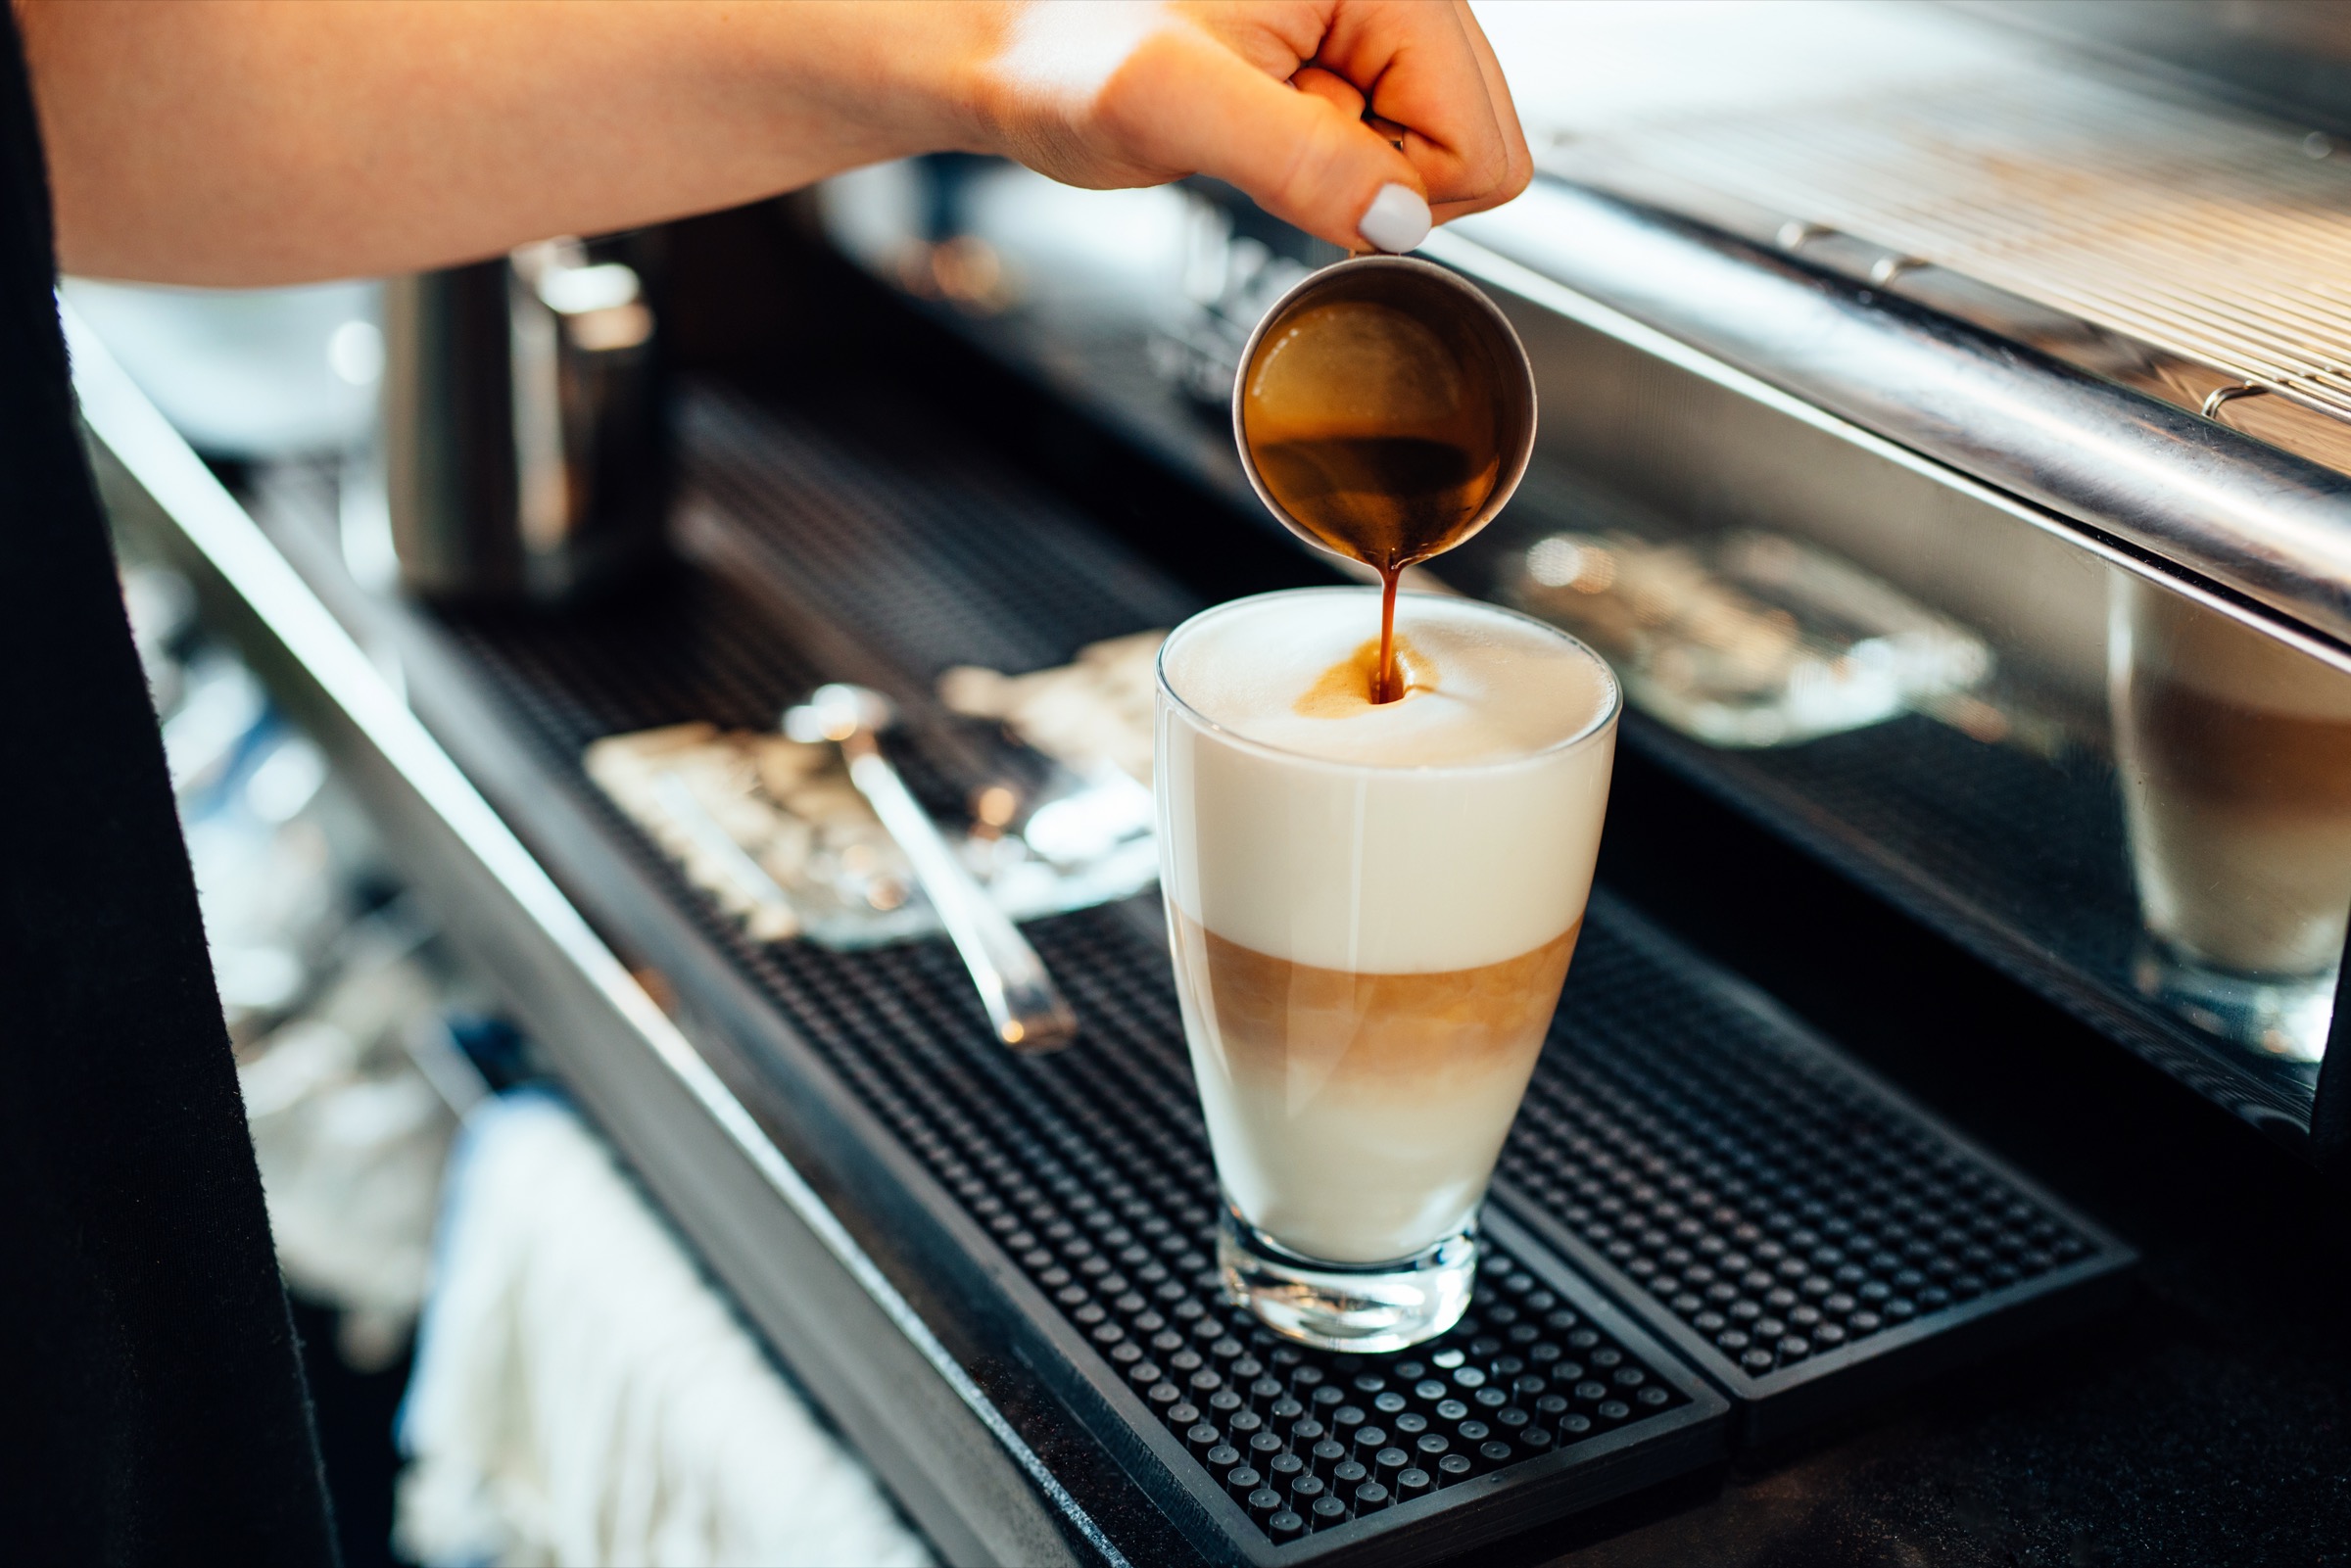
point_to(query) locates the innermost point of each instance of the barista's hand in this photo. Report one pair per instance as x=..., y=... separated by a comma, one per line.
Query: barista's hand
x=1270, y=96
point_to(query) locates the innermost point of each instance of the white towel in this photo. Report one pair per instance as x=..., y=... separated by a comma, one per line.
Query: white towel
x=583, y=1396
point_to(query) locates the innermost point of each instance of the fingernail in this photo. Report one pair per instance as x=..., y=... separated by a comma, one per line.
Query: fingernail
x=1395, y=220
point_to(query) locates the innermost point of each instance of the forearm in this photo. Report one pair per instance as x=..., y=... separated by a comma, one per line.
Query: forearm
x=243, y=141
x=223, y=141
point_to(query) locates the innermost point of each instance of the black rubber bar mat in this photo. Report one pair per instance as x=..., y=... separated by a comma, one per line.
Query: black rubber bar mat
x=1668, y=1115
x=1808, y=1236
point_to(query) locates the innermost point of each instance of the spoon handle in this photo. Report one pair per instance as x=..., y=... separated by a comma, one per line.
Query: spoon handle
x=1022, y=1003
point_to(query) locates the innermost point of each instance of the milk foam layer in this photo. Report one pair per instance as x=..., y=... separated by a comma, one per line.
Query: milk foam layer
x=2168, y=638
x=1505, y=687
x=1455, y=829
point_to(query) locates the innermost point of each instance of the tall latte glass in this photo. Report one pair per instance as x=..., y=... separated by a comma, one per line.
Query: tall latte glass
x=2235, y=756
x=1372, y=908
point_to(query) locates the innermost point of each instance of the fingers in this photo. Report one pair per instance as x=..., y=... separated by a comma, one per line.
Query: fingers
x=1424, y=68
x=1186, y=102
x=1337, y=91
x=1519, y=161
x=1348, y=119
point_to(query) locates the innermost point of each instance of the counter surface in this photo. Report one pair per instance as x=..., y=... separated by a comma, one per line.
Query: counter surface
x=2209, y=1422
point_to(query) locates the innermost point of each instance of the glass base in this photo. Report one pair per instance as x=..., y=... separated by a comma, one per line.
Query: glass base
x=1346, y=1306
x=2278, y=1015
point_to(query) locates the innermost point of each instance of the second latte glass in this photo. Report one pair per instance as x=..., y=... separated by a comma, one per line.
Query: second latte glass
x=1372, y=911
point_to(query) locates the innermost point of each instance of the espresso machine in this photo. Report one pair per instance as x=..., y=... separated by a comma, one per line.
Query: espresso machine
x=1939, y=1152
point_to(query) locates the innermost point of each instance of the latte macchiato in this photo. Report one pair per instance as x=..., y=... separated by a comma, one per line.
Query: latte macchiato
x=1372, y=905
x=2234, y=755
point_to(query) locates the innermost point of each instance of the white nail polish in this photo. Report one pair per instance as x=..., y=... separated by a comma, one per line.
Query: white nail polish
x=1395, y=220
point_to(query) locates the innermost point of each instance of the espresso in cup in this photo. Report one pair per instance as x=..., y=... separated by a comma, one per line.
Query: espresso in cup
x=1384, y=411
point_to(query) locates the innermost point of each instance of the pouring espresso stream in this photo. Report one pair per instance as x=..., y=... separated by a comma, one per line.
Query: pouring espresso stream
x=1384, y=411
x=1371, y=903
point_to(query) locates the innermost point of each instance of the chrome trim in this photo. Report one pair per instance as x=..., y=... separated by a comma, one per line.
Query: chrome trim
x=232, y=548
x=2255, y=520
x=2221, y=396
x=2300, y=426
x=1541, y=292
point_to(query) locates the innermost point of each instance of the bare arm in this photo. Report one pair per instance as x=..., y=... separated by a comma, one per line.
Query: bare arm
x=236, y=142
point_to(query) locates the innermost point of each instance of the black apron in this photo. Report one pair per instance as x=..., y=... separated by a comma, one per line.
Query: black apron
x=152, y=1408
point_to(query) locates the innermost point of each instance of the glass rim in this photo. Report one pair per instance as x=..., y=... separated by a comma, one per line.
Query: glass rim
x=1601, y=722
